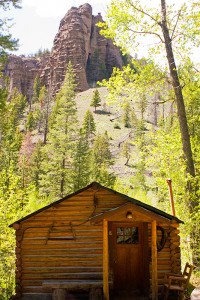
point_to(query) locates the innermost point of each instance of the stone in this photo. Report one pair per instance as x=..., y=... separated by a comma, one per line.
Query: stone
x=195, y=294
x=78, y=40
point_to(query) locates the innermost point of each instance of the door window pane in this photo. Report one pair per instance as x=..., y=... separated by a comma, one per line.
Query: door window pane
x=127, y=235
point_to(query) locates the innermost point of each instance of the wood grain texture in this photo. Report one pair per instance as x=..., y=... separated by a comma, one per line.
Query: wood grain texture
x=62, y=243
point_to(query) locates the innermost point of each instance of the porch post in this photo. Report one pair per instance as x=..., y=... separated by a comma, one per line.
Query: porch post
x=154, y=261
x=105, y=261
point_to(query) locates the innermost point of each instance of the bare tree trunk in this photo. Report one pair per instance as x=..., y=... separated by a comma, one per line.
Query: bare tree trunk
x=178, y=94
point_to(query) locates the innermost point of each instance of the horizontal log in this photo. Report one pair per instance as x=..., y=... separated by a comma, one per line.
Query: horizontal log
x=46, y=225
x=50, y=252
x=164, y=268
x=163, y=262
x=33, y=289
x=64, y=239
x=64, y=258
x=62, y=269
x=84, y=243
x=64, y=275
x=74, y=232
x=72, y=285
x=174, y=246
x=57, y=264
x=174, y=231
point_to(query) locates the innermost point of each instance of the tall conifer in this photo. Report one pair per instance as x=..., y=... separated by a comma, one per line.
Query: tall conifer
x=57, y=179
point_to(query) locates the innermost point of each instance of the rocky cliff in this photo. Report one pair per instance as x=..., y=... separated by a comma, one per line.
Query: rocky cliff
x=79, y=41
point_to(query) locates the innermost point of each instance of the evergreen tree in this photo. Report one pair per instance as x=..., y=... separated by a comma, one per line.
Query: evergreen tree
x=89, y=126
x=81, y=162
x=36, y=91
x=36, y=164
x=127, y=115
x=126, y=152
x=6, y=40
x=102, y=160
x=96, y=99
x=30, y=121
x=57, y=179
x=11, y=137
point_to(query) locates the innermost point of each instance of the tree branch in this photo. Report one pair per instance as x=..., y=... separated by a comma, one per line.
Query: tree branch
x=146, y=32
x=179, y=13
x=143, y=12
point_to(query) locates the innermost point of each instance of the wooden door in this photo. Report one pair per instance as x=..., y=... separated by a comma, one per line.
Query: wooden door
x=129, y=258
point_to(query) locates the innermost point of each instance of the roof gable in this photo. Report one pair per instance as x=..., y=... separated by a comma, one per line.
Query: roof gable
x=96, y=186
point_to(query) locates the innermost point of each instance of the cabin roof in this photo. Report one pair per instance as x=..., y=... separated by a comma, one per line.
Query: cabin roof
x=97, y=185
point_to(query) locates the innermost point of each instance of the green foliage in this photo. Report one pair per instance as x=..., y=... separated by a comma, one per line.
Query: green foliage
x=127, y=115
x=36, y=89
x=81, y=162
x=101, y=161
x=7, y=42
x=89, y=126
x=11, y=137
x=13, y=200
x=36, y=164
x=41, y=53
x=136, y=24
x=96, y=99
x=57, y=177
x=162, y=152
x=30, y=121
x=126, y=152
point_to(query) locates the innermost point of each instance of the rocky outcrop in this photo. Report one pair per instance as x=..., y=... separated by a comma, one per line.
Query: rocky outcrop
x=78, y=40
x=21, y=72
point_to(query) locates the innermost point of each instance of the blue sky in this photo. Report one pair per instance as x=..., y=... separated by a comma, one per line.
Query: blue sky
x=37, y=22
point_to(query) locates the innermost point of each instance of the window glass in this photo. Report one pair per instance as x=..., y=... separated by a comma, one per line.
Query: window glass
x=127, y=235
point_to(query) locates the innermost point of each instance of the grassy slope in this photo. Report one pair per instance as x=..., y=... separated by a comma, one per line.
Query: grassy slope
x=106, y=117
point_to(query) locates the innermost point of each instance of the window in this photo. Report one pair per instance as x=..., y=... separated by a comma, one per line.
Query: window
x=127, y=235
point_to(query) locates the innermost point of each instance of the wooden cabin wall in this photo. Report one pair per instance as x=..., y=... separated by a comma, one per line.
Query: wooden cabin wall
x=168, y=259
x=61, y=243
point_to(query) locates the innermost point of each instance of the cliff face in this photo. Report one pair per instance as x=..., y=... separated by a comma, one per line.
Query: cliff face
x=78, y=40
x=21, y=72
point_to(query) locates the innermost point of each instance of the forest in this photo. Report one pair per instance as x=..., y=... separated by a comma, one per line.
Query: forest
x=48, y=152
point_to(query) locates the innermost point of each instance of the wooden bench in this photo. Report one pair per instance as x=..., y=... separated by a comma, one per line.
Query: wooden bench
x=62, y=287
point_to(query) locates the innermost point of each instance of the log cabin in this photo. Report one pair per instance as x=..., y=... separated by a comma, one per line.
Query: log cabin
x=95, y=238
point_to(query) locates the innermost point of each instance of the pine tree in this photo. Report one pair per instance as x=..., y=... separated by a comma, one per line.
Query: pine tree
x=30, y=121
x=89, y=126
x=11, y=137
x=96, y=99
x=36, y=91
x=82, y=162
x=6, y=40
x=126, y=152
x=127, y=115
x=36, y=164
x=57, y=179
x=102, y=160
x=44, y=112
